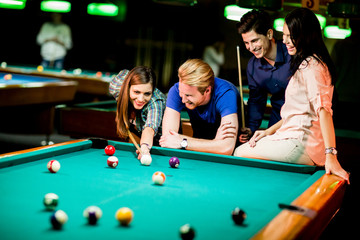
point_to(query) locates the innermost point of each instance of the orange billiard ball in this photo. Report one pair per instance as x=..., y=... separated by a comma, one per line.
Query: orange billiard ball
x=99, y=74
x=8, y=77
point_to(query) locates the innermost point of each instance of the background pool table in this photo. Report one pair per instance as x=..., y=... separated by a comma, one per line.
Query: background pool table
x=202, y=191
x=97, y=119
x=90, y=85
x=27, y=103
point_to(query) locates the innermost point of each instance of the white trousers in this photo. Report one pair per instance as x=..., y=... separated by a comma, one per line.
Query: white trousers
x=286, y=150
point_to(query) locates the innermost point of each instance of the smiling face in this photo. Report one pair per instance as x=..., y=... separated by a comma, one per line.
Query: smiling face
x=287, y=40
x=257, y=44
x=191, y=96
x=140, y=95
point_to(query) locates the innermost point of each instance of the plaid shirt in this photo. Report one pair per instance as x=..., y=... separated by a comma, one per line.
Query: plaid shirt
x=151, y=114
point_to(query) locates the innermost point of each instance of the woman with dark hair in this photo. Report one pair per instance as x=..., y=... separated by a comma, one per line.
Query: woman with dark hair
x=140, y=106
x=305, y=134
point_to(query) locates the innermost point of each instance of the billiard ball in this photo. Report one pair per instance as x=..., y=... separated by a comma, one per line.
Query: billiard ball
x=110, y=150
x=92, y=214
x=112, y=161
x=124, y=215
x=158, y=178
x=238, y=216
x=58, y=219
x=77, y=71
x=187, y=232
x=146, y=160
x=8, y=77
x=3, y=64
x=51, y=201
x=53, y=166
x=174, y=162
x=40, y=68
x=98, y=74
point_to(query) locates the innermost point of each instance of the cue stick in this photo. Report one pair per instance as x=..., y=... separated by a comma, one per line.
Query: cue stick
x=241, y=89
x=133, y=140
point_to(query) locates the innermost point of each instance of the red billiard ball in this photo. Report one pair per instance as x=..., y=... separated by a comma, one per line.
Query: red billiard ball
x=110, y=150
x=174, y=162
x=112, y=161
x=53, y=166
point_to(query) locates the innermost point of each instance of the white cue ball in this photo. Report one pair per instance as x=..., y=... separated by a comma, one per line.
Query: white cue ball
x=146, y=160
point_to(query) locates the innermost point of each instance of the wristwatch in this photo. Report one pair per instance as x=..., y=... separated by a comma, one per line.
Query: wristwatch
x=184, y=144
x=331, y=150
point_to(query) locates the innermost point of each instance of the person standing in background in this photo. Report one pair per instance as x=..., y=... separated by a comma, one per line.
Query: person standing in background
x=214, y=55
x=55, y=40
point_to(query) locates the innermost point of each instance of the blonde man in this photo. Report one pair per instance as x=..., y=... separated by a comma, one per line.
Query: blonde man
x=213, y=105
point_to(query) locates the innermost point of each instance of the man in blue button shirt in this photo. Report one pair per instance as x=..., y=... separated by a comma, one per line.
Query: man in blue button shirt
x=268, y=71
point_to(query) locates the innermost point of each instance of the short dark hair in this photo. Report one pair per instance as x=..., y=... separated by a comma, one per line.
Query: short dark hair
x=257, y=20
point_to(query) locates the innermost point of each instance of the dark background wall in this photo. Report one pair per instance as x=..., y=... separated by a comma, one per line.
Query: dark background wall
x=162, y=36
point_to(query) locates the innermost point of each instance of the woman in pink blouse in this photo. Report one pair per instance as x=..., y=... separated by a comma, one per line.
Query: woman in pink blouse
x=305, y=134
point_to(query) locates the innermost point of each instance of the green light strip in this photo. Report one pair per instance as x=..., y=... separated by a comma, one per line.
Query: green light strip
x=13, y=4
x=279, y=22
x=322, y=20
x=234, y=12
x=103, y=9
x=335, y=32
x=55, y=6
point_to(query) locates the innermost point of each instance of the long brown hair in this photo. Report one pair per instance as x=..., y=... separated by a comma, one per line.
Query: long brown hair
x=138, y=75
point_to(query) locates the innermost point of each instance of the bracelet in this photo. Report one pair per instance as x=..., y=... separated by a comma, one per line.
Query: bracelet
x=147, y=145
x=331, y=150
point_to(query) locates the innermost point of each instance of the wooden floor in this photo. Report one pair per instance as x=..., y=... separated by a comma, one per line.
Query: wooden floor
x=344, y=225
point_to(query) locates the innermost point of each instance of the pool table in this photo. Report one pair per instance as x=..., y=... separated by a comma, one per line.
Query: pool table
x=27, y=102
x=89, y=83
x=97, y=119
x=282, y=201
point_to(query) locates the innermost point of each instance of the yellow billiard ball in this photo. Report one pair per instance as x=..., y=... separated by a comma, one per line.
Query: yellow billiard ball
x=40, y=68
x=124, y=215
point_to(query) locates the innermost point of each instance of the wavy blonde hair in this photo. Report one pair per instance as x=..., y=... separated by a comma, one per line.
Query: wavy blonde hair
x=197, y=73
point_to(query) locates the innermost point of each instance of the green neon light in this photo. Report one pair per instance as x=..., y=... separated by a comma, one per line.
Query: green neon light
x=279, y=24
x=13, y=4
x=55, y=6
x=335, y=32
x=234, y=12
x=322, y=20
x=103, y=9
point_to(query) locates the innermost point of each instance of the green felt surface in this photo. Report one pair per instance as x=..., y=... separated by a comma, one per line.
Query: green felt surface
x=57, y=72
x=202, y=191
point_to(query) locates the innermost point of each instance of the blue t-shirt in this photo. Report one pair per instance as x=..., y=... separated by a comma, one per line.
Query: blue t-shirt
x=263, y=78
x=205, y=120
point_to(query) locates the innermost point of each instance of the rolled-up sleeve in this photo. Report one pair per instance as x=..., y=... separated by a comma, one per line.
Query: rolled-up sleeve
x=155, y=114
x=319, y=88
